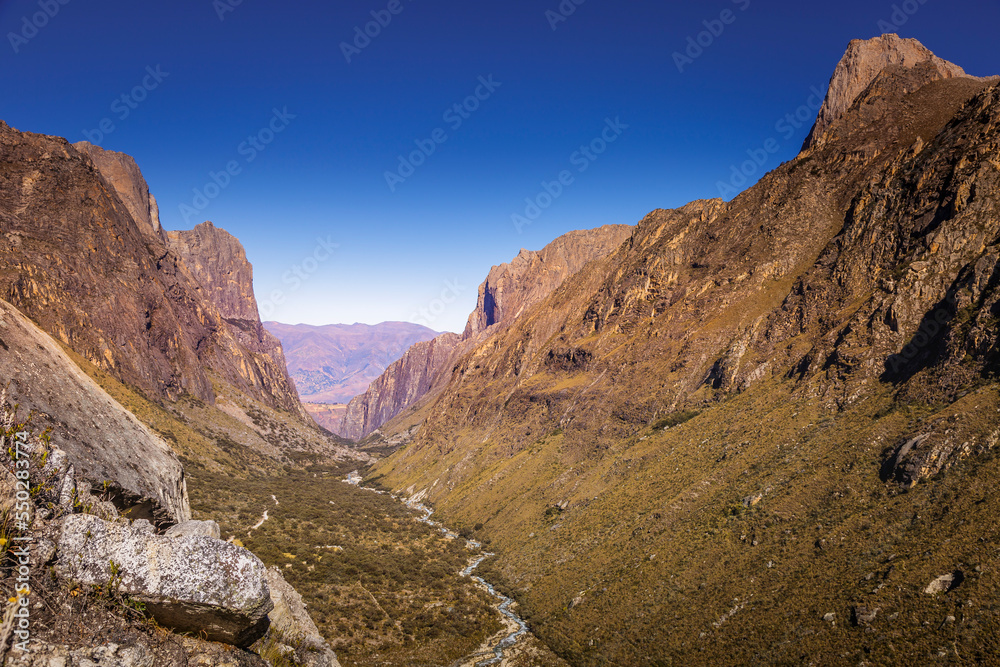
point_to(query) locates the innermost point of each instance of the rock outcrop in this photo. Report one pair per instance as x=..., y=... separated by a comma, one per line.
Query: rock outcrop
x=195, y=584
x=508, y=291
x=104, y=442
x=863, y=61
x=219, y=263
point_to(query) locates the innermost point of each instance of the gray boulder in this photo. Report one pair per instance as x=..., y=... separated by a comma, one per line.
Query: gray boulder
x=292, y=627
x=195, y=584
x=195, y=529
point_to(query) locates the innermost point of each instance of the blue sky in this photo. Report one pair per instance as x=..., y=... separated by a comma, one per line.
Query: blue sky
x=265, y=91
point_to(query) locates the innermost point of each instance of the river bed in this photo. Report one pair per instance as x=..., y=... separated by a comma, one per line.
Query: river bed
x=516, y=627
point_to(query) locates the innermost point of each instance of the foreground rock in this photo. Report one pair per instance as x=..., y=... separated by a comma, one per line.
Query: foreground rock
x=195, y=584
x=137, y=651
x=195, y=529
x=294, y=632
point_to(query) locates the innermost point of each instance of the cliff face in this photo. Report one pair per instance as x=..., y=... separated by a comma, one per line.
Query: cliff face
x=76, y=260
x=218, y=263
x=122, y=173
x=506, y=293
x=510, y=289
x=739, y=383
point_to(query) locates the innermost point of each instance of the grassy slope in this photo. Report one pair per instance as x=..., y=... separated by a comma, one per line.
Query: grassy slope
x=655, y=548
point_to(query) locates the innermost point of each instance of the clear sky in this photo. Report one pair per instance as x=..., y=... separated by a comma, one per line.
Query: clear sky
x=308, y=127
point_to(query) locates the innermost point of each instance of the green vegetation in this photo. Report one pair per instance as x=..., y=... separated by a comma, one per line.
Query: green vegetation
x=382, y=587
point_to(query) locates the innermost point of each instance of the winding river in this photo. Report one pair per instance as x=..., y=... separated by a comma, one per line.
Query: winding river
x=509, y=640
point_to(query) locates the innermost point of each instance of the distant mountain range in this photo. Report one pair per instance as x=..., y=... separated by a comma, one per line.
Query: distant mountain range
x=336, y=362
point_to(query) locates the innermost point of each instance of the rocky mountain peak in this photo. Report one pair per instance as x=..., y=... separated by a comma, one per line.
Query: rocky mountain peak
x=532, y=275
x=123, y=174
x=863, y=61
x=219, y=262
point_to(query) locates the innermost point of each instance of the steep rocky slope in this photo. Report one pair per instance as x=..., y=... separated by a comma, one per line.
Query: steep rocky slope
x=403, y=383
x=103, y=441
x=336, y=362
x=508, y=291
x=82, y=257
x=696, y=445
x=218, y=262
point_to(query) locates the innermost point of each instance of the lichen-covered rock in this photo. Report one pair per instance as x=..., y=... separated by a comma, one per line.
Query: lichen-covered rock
x=136, y=651
x=194, y=529
x=292, y=627
x=105, y=655
x=196, y=584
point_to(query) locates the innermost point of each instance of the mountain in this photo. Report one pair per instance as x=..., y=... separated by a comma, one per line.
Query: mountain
x=507, y=292
x=336, y=362
x=757, y=431
x=75, y=260
x=217, y=261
